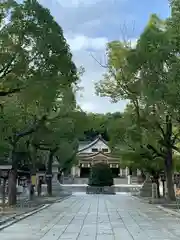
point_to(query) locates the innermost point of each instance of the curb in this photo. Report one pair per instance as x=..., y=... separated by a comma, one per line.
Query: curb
x=172, y=212
x=139, y=199
x=16, y=218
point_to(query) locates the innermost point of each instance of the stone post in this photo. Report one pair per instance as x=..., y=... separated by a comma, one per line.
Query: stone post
x=55, y=173
x=138, y=172
x=120, y=172
x=129, y=179
x=78, y=171
x=73, y=171
x=127, y=171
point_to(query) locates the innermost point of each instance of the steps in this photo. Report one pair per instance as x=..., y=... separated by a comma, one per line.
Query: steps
x=146, y=190
x=134, y=180
x=56, y=187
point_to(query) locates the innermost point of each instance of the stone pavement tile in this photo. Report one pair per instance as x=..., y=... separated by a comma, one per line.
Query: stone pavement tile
x=81, y=237
x=105, y=237
x=123, y=235
x=72, y=236
x=104, y=229
x=87, y=230
x=96, y=218
x=51, y=235
x=73, y=228
x=19, y=237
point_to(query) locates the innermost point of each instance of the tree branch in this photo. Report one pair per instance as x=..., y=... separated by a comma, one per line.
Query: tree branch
x=175, y=138
x=46, y=147
x=103, y=66
x=161, y=129
x=7, y=68
x=31, y=130
x=159, y=154
x=176, y=149
x=10, y=91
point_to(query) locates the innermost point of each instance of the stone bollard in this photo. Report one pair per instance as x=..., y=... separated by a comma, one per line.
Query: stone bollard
x=129, y=179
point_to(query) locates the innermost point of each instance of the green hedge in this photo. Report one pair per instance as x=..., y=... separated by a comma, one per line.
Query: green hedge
x=101, y=175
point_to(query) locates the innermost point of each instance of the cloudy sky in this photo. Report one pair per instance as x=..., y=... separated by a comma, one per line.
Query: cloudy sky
x=89, y=24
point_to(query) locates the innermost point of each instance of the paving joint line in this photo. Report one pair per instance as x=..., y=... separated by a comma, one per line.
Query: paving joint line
x=75, y=202
x=18, y=218
x=109, y=220
x=97, y=218
x=71, y=220
x=83, y=221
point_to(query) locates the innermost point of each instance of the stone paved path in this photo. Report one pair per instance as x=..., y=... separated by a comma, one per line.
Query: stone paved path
x=96, y=217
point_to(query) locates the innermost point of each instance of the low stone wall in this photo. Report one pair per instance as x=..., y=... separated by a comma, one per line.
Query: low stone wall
x=100, y=190
x=125, y=188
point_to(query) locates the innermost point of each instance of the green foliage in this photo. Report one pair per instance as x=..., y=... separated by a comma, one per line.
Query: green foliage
x=100, y=175
x=95, y=124
x=34, y=52
x=36, y=66
x=66, y=155
x=148, y=76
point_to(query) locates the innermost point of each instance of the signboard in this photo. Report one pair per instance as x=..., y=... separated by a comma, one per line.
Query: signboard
x=33, y=179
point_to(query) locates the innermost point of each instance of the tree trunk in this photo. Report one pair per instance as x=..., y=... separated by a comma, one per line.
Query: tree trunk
x=33, y=158
x=164, y=191
x=158, y=190
x=39, y=188
x=169, y=160
x=4, y=192
x=12, y=180
x=12, y=190
x=170, y=183
x=49, y=186
x=49, y=173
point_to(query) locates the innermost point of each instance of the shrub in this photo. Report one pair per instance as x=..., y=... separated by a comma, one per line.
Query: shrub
x=101, y=175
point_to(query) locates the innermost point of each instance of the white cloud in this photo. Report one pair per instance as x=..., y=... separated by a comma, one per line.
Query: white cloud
x=88, y=106
x=77, y=3
x=88, y=25
x=82, y=42
x=93, y=72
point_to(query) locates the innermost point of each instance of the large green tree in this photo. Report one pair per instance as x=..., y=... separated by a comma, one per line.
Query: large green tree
x=36, y=65
x=60, y=132
x=147, y=76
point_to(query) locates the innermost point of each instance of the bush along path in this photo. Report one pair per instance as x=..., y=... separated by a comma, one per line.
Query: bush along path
x=100, y=180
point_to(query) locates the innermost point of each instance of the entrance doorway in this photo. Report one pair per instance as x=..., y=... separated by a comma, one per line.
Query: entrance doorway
x=85, y=172
x=115, y=172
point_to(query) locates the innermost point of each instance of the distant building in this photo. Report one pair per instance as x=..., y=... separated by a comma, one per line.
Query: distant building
x=94, y=152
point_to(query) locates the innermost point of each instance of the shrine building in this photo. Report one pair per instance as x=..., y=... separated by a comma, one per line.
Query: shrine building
x=97, y=151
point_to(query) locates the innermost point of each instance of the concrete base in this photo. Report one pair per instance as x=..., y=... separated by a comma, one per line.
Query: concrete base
x=134, y=189
x=100, y=190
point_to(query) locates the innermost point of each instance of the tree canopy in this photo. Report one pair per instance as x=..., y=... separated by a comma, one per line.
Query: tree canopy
x=148, y=76
x=38, y=80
